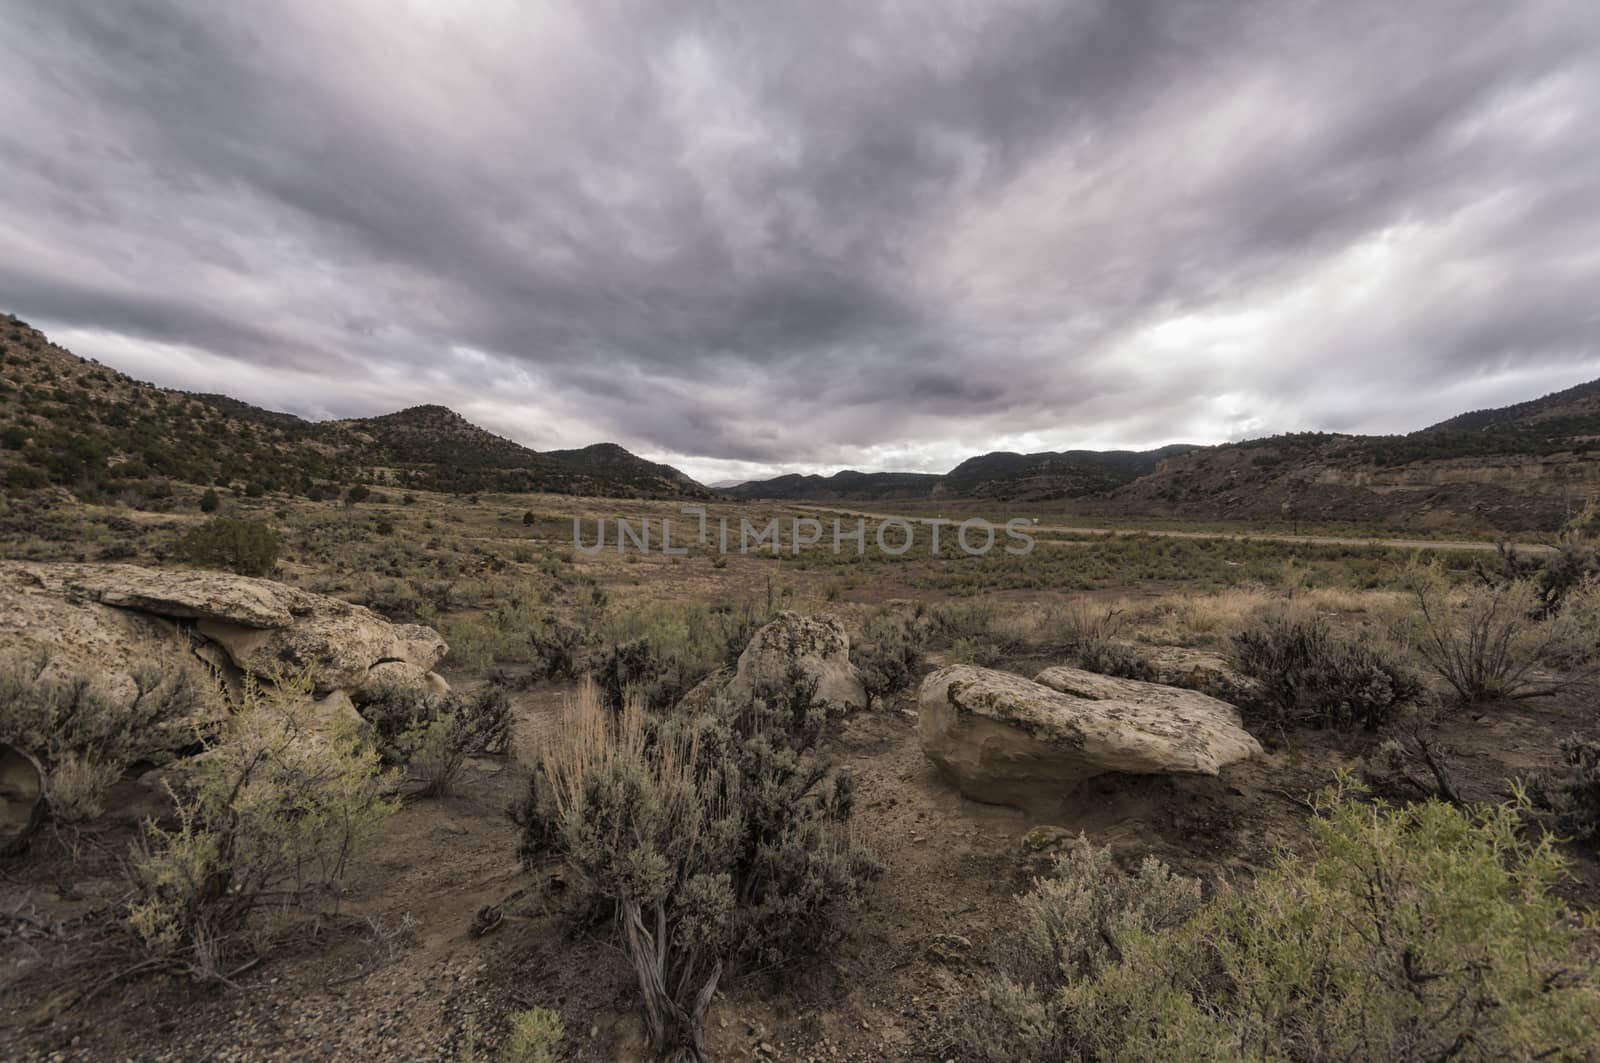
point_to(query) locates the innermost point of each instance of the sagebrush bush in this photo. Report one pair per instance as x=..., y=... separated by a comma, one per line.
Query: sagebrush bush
x=247, y=547
x=1421, y=932
x=556, y=647
x=86, y=733
x=717, y=838
x=887, y=657
x=1068, y=928
x=1116, y=659
x=431, y=736
x=1497, y=641
x=1575, y=798
x=1310, y=677
x=270, y=816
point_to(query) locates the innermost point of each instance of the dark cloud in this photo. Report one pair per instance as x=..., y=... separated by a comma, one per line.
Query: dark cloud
x=739, y=236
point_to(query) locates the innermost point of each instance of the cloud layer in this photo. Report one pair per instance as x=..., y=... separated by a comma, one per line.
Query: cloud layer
x=741, y=236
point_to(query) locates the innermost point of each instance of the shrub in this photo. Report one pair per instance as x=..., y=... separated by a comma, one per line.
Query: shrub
x=1116, y=659
x=431, y=736
x=247, y=547
x=1575, y=799
x=556, y=646
x=84, y=733
x=1489, y=643
x=716, y=839
x=1070, y=927
x=270, y=816
x=26, y=478
x=887, y=657
x=535, y=1034
x=636, y=667
x=1449, y=940
x=1310, y=677
x=528, y=518
x=357, y=493
x=1421, y=932
x=1086, y=629
x=210, y=501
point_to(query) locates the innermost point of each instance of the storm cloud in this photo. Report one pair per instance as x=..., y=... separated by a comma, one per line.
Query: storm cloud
x=757, y=237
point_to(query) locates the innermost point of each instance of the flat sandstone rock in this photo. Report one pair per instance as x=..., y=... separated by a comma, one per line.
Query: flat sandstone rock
x=1010, y=740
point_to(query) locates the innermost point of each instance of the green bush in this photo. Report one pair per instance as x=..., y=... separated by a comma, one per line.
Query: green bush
x=1310, y=677
x=556, y=647
x=1420, y=932
x=26, y=478
x=210, y=501
x=247, y=547
x=637, y=667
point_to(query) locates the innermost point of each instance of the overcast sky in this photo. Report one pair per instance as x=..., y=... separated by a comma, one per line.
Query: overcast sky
x=752, y=237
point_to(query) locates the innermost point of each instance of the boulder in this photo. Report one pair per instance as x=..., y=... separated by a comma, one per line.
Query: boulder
x=107, y=619
x=22, y=799
x=340, y=645
x=818, y=646
x=1008, y=740
x=402, y=675
x=176, y=593
x=44, y=618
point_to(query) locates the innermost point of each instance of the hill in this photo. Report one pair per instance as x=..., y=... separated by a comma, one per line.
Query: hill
x=1000, y=475
x=80, y=425
x=614, y=456
x=847, y=486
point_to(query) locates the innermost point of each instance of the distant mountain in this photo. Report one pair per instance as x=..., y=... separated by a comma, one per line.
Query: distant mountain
x=84, y=426
x=613, y=456
x=845, y=486
x=1000, y=475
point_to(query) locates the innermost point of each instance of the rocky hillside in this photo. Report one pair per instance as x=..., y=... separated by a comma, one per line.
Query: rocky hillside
x=80, y=425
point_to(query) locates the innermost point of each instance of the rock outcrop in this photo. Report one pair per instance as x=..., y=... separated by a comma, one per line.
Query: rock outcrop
x=22, y=799
x=1008, y=740
x=818, y=646
x=108, y=620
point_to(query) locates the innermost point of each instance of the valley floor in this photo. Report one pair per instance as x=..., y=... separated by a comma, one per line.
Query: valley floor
x=397, y=974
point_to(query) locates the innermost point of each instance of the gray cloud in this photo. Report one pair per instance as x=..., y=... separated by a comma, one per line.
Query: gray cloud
x=739, y=236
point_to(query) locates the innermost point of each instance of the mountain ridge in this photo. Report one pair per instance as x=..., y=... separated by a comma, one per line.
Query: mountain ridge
x=75, y=423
